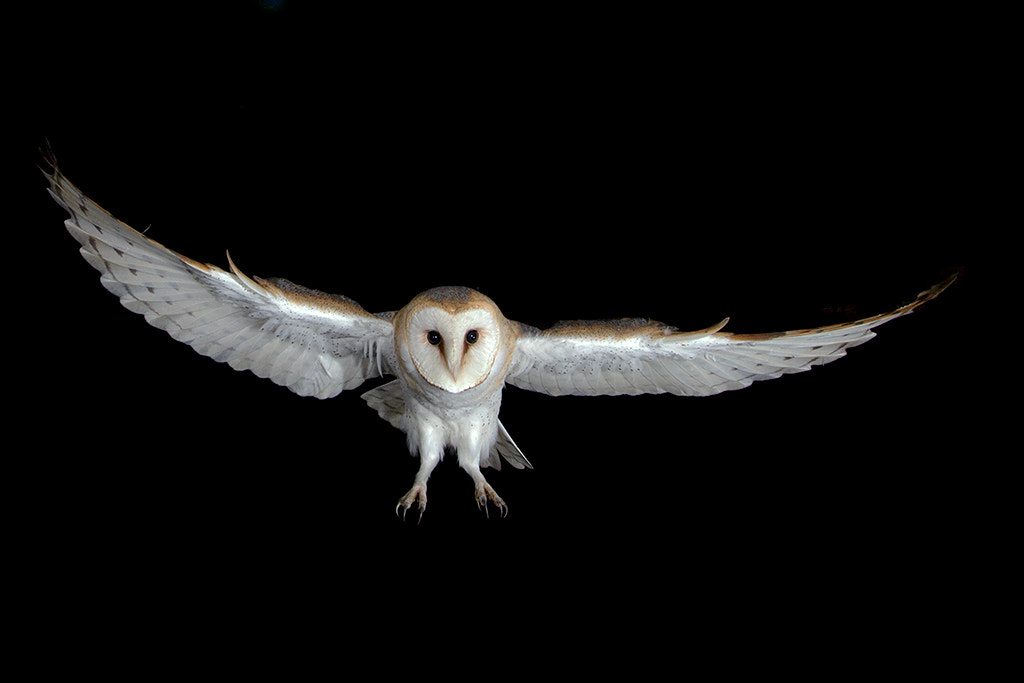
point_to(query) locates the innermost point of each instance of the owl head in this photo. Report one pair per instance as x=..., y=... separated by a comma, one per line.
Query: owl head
x=454, y=338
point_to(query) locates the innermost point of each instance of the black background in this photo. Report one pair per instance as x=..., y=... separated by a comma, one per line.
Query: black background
x=589, y=165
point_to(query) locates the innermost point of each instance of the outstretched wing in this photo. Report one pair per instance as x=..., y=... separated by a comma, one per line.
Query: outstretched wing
x=638, y=356
x=315, y=344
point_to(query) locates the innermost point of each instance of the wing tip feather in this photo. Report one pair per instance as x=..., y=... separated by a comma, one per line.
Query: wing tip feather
x=921, y=299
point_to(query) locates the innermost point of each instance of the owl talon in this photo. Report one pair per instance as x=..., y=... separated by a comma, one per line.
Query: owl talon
x=418, y=495
x=484, y=492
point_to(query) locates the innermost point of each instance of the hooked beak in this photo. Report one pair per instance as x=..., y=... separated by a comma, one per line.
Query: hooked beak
x=453, y=358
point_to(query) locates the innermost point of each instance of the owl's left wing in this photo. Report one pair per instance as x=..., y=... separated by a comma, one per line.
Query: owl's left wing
x=315, y=344
x=638, y=356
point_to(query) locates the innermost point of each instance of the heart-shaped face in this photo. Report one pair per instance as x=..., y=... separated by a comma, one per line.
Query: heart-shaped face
x=453, y=351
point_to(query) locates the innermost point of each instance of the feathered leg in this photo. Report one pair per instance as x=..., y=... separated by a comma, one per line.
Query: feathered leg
x=430, y=449
x=418, y=493
x=482, y=490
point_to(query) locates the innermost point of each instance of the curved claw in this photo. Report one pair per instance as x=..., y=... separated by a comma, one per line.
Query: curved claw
x=484, y=492
x=416, y=495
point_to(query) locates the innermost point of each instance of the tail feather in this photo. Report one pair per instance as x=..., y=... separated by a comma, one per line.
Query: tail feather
x=387, y=400
x=508, y=450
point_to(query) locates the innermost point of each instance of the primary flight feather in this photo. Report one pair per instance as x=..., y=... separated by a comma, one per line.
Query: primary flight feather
x=450, y=349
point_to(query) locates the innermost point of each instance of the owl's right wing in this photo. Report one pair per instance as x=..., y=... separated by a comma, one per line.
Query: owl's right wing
x=315, y=344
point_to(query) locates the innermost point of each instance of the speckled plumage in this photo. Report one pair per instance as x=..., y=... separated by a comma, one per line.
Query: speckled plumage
x=450, y=349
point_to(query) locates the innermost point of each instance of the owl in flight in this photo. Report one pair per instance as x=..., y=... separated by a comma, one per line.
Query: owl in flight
x=450, y=350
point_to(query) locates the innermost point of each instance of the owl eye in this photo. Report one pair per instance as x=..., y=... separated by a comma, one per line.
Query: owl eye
x=434, y=337
x=472, y=336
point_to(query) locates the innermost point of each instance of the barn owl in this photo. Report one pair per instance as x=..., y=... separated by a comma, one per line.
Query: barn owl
x=450, y=350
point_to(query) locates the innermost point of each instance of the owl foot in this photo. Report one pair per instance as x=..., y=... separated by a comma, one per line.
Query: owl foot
x=418, y=495
x=484, y=492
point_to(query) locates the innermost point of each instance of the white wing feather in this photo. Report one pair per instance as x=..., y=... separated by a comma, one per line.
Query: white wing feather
x=638, y=356
x=315, y=344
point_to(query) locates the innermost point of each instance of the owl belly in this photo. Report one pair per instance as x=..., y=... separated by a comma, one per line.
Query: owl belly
x=431, y=425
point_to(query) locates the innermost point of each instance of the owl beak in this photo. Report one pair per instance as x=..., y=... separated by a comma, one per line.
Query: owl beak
x=453, y=356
